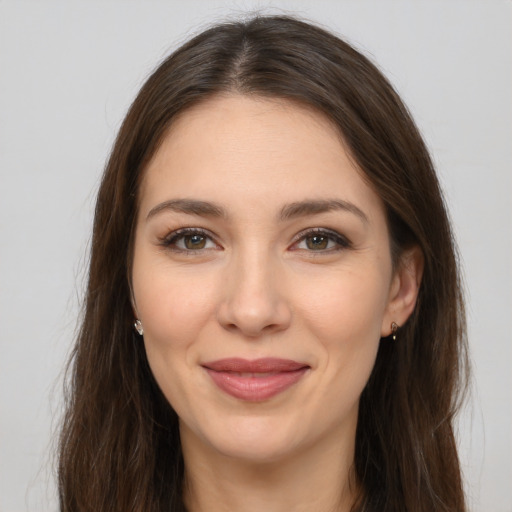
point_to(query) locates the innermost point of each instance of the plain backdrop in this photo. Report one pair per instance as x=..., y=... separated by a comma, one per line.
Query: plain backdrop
x=69, y=70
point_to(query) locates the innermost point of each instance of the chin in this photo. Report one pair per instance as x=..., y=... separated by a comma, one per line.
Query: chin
x=256, y=450
x=250, y=439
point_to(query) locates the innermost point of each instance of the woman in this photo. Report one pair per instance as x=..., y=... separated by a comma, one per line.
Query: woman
x=273, y=318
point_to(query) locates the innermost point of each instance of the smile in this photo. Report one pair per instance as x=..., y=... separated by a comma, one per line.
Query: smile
x=256, y=380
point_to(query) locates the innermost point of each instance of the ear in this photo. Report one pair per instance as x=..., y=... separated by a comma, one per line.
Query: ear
x=404, y=289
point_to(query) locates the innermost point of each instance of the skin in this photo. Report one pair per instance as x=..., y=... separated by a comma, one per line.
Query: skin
x=257, y=285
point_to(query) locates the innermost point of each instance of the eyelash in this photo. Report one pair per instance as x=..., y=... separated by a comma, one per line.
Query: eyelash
x=171, y=240
x=341, y=241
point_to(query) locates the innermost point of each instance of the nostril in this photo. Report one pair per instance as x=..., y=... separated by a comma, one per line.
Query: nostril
x=253, y=332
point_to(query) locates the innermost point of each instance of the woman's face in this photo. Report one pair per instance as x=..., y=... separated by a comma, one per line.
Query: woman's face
x=262, y=276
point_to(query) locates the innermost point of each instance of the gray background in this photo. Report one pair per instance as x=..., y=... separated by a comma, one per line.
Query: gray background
x=68, y=71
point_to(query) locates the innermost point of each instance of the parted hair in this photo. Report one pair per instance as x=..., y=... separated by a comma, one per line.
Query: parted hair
x=119, y=443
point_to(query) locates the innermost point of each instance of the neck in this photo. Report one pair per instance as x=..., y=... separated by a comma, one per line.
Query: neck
x=317, y=479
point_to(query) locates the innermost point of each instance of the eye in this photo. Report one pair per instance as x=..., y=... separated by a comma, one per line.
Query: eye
x=321, y=240
x=189, y=240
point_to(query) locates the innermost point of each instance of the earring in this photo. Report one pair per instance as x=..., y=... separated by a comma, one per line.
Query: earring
x=394, y=329
x=138, y=327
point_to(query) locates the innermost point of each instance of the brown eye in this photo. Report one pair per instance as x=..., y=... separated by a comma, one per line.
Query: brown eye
x=194, y=242
x=321, y=240
x=317, y=242
x=189, y=240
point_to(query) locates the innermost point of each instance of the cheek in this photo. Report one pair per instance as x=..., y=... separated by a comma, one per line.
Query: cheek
x=345, y=308
x=174, y=306
x=173, y=303
x=344, y=316
x=344, y=313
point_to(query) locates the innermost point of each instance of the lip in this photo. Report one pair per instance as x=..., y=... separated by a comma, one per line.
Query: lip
x=255, y=380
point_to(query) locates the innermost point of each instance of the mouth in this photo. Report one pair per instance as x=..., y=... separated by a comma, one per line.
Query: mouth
x=255, y=380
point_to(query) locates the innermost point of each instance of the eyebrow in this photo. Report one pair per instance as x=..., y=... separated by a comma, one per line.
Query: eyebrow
x=190, y=206
x=305, y=208
x=288, y=212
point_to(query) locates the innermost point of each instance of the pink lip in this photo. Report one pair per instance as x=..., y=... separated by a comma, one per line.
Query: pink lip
x=255, y=380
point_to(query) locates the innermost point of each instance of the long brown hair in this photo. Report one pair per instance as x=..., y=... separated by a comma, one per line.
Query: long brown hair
x=119, y=446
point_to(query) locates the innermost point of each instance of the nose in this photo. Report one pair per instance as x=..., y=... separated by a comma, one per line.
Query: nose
x=254, y=303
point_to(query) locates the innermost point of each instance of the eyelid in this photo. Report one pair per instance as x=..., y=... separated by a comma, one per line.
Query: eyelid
x=342, y=241
x=169, y=239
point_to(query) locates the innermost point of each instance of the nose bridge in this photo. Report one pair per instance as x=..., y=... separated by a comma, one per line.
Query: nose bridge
x=254, y=269
x=254, y=301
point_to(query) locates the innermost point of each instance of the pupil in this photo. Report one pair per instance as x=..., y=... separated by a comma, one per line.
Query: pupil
x=195, y=242
x=317, y=242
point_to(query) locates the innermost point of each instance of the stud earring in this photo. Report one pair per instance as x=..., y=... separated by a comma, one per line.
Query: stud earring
x=138, y=327
x=394, y=329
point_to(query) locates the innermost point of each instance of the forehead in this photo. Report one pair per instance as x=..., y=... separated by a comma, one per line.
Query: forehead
x=244, y=150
